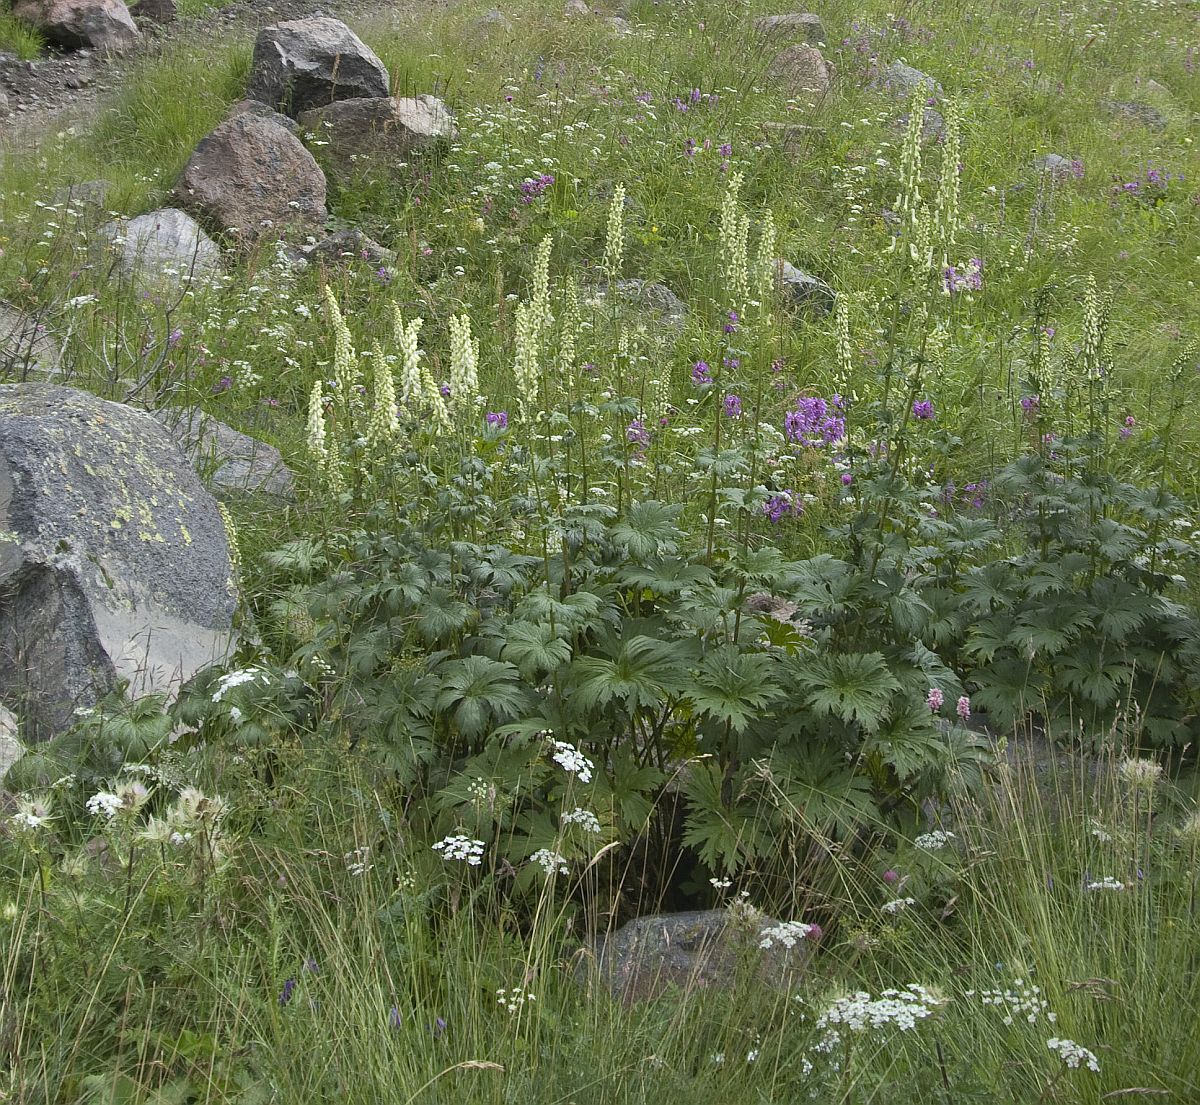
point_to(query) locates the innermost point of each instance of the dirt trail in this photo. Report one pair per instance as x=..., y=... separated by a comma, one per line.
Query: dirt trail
x=67, y=89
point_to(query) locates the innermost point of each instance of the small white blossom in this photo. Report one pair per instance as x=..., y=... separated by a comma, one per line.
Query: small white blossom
x=513, y=999
x=1073, y=1054
x=585, y=819
x=1106, y=883
x=32, y=814
x=104, y=802
x=787, y=933
x=462, y=848
x=572, y=761
x=358, y=862
x=933, y=841
x=235, y=679
x=549, y=861
x=898, y=905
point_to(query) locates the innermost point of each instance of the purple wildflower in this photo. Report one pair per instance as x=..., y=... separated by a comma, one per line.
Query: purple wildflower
x=781, y=505
x=637, y=434
x=814, y=422
x=733, y=405
x=731, y=326
x=1031, y=405
x=701, y=374
x=935, y=699
x=223, y=384
x=725, y=149
x=496, y=420
x=285, y=995
x=922, y=409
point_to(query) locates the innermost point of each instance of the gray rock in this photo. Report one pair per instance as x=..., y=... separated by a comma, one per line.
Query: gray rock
x=802, y=25
x=933, y=124
x=161, y=12
x=576, y=8
x=26, y=348
x=348, y=245
x=1145, y=114
x=114, y=565
x=101, y=24
x=378, y=132
x=252, y=179
x=803, y=290
x=1053, y=164
x=11, y=748
x=618, y=25
x=899, y=80
x=495, y=19
x=89, y=195
x=655, y=298
x=801, y=68
x=705, y=949
x=308, y=63
x=163, y=247
x=260, y=110
x=228, y=461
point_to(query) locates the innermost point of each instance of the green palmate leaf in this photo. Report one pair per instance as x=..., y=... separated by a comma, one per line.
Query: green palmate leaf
x=1122, y=607
x=641, y=673
x=629, y=787
x=855, y=687
x=733, y=686
x=648, y=529
x=818, y=791
x=580, y=611
x=991, y=636
x=726, y=836
x=535, y=648
x=826, y=586
x=665, y=575
x=442, y=615
x=477, y=692
x=1007, y=690
x=989, y=588
x=1088, y=672
x=1050, y=628
x=403, y=587
x=909, y=742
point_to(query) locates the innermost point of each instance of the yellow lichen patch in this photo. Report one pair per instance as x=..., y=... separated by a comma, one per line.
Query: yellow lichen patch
x=186, y=536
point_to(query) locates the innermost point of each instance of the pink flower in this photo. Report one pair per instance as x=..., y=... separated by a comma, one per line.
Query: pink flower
x=935, y=699
x=891, y=876
x=963, y=709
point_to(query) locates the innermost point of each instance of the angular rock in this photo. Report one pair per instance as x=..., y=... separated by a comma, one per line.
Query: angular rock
x=618, y=25
x=165, y=246
x=495, y=19
x=161, y=12
x=361, y=133
x=933, y=124
x=899, y=80
x=348, y=245
x=1147, y=115
x=802, y=25
x=115, y=564
x=230, y=462
x=260, y=110
x=705, y=949
x=308, y=63
x=801, y=68
x=11, y=748
x=25, y=346
x=252, y=179
x=99, y=24
x=803, y=290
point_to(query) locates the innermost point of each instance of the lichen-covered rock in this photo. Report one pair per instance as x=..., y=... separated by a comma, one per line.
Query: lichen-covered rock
x=706, y=949
x=899, y=79
x=803, y=25
x=801, y=68
x=378, y=132
x=262, y=111
x=344, y=246
x=227, y=460
x=657, y=299
x=308, y=63
x=1147, y=115
x=160, y=12
x=72, y=24
x=163, y=247
x=114, y=563
x=252, y=179
x=1053, y=164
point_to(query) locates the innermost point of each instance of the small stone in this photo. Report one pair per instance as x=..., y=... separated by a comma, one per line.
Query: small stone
x=799, y=69
x=576, y=8
x=262, y=111
x=1053, y=164
x=803, y=25
x=1145, y=114
x=348, y=245
x=495, y=19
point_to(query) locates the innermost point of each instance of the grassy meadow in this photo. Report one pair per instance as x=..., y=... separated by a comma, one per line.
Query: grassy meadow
x=869, y=613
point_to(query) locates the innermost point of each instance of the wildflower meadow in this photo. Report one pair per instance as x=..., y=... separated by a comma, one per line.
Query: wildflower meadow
x=733, y=492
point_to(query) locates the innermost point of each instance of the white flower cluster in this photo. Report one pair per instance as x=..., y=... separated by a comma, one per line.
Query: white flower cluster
x=572, y=761
x=129, y=797
x=513, y=999
x=549, y=861
x=358, y=862
x=1073, y=1054
x=585, y=819
x=1021, y=999
x=787, y=933
x=933, y=841
x=897, y=905
x=32, y=814
x=460, y=847
x=1106, y=883
x=858, y=1012
x=233, y=679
